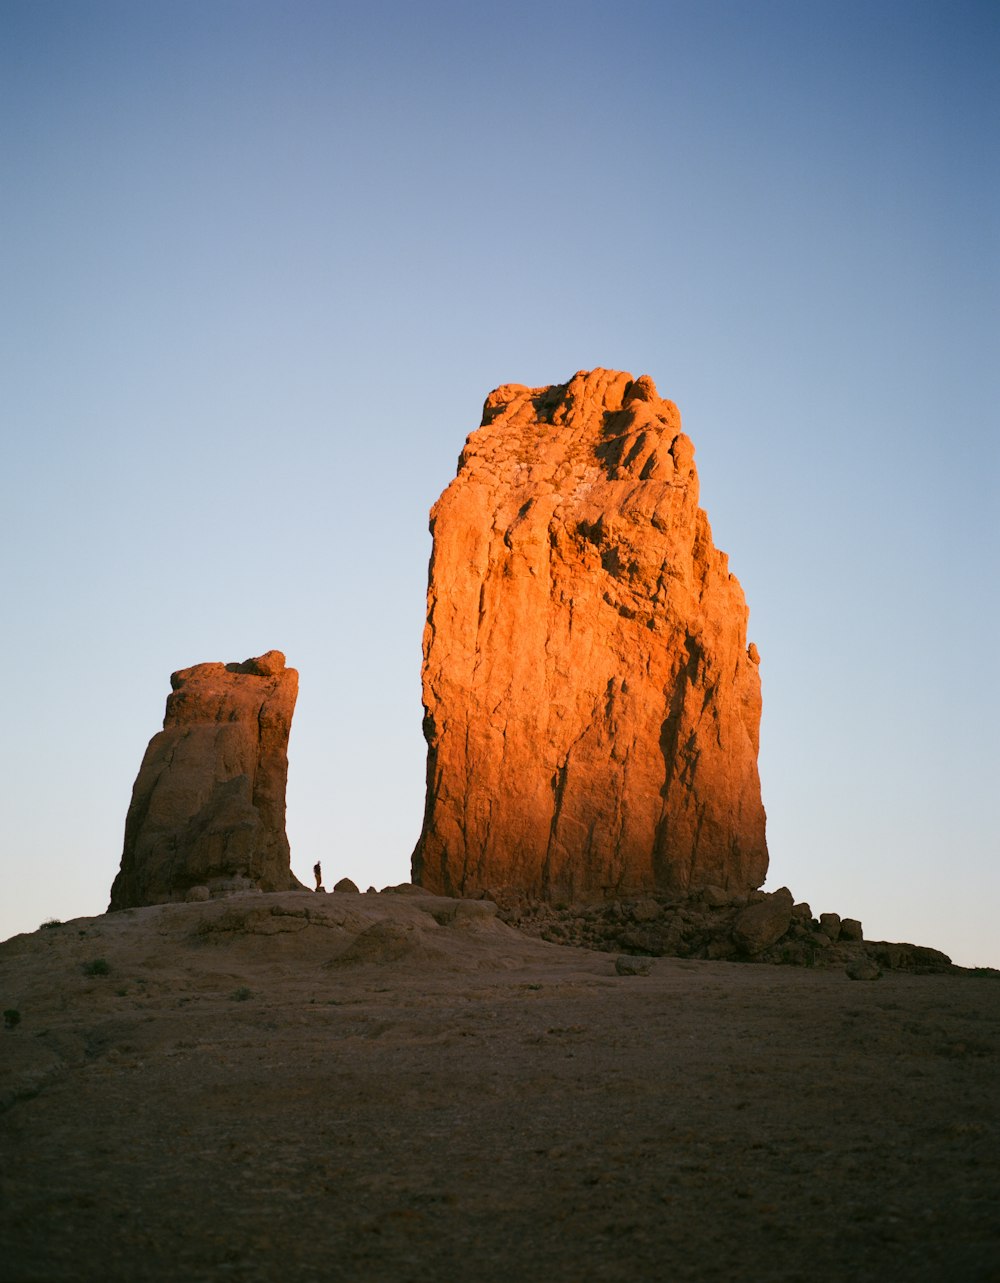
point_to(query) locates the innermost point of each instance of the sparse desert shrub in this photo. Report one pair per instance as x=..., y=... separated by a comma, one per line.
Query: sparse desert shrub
x=50, y=922
x=96, y=967
x=11, y=1018
x=241, y=994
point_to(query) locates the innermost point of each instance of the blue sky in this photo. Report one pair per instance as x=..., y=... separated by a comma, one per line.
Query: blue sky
x=262, y=262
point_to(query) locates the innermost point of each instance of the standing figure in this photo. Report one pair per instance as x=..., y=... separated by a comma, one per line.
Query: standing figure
x=318, y=875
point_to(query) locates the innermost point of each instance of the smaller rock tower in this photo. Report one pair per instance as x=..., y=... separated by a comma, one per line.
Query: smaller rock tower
x=208, y=804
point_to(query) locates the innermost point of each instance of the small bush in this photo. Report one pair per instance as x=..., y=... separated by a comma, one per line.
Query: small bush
x=50, y=922
x=11, y=1018
x=96, y=967
x=241, y=994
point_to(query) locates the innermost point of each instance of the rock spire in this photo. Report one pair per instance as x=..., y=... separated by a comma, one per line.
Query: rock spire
x=208, y=804
x=591, y=704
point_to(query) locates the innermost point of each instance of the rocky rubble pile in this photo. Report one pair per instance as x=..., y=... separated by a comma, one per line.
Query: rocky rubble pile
x=753, y=927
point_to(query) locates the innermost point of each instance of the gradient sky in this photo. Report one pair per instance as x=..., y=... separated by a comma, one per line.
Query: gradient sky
x=260, y=265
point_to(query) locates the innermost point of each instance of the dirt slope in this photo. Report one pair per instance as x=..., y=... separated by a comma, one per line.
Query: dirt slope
x=299, y=1086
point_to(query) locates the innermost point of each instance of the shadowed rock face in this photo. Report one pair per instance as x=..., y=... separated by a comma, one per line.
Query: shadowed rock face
x=591, y=704
x=208, y=805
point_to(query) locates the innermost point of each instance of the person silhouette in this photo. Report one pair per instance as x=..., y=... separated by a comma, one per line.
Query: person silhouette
x=318, y=875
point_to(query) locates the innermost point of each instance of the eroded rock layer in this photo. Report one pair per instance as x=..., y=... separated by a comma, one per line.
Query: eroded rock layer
x=208, y=804
x=591, y=704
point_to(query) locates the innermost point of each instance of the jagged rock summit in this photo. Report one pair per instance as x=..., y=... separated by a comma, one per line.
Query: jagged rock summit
x=591, y=704
x=208, y=804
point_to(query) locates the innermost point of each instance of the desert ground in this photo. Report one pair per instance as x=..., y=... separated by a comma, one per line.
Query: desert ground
x=403, y=1088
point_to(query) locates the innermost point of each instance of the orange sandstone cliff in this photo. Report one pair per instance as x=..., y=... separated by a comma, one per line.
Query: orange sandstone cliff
x=591, y=704
x=208, y=804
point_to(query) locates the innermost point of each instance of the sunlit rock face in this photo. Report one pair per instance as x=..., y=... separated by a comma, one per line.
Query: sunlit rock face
x=591, y=705
x=208, y=805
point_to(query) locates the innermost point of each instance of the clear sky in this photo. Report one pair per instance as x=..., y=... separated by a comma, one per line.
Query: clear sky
x=260, y=264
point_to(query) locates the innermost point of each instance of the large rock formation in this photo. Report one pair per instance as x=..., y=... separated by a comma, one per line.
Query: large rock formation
x=208, y=804
x=591, y=705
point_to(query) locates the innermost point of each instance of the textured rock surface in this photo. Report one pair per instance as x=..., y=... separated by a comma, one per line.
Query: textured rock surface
x=208, y=804
x=592, y=706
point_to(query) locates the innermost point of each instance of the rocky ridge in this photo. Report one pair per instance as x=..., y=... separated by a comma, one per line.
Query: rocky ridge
x=591, y=701
x=755, y=927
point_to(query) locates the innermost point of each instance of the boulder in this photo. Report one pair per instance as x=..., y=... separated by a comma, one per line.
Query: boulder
x=829, y=924
x=591, y=702
x=345, y=884
x=208, y=804
x=850, y=929
x=760, y=925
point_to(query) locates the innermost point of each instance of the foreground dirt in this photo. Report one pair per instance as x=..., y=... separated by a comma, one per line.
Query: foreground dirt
x=384, y=1088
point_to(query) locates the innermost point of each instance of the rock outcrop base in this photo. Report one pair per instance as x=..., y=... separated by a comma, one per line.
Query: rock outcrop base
x=759, y=927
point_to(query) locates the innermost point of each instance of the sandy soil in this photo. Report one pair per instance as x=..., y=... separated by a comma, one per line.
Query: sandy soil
x=297, y=1087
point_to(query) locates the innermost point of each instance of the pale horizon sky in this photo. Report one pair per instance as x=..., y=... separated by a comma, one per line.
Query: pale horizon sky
x=261, y=264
